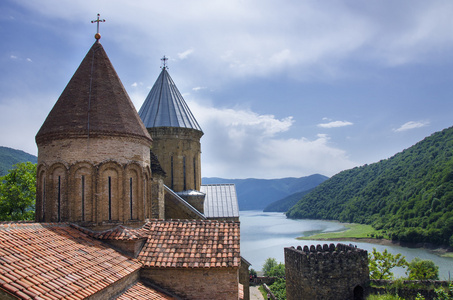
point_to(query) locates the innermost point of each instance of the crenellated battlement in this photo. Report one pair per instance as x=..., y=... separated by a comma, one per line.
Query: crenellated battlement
x=325, y=271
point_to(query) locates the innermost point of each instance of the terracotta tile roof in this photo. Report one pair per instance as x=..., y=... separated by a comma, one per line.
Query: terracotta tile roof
x=50, y=261
x=139, y=291
x=191, y=244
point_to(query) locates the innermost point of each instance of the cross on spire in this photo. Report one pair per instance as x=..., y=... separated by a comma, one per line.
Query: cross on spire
x=97, y=36
x=164, y=62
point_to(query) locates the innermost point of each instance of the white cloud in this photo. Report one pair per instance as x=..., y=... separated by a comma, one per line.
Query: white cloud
x=29, y=59
x=335, y=124
x=411, y=125
x=135, y=84
x=13, y=57
x=185, y=54
x=311, y=38
x=198, y=88
x=240, y=143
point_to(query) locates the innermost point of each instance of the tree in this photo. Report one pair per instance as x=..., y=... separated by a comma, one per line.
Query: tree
x=380, y=264
x=268, y=265
x=422, y=269
x=18, y=193
x=277, y=271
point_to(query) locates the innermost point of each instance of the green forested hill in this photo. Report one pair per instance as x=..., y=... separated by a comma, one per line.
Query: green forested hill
x=409, y=196
x=10, y=157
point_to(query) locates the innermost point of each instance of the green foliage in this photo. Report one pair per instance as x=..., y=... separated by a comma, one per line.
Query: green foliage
x=384, y=297
x=419, y=297
x=409, y=196
x=278, y=288
x=419, y=269
x=381, y=264
x=444, y=294
x=274, y=269
x=268, y=265
x=18, y=193
x=252, y=272
x=277, y=271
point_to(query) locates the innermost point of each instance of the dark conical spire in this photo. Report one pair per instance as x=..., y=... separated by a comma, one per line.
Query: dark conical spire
x=165, y=106
x=93, y=103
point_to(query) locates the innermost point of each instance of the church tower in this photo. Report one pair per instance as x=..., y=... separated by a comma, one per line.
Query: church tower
x=176, y=135
x=94, y=152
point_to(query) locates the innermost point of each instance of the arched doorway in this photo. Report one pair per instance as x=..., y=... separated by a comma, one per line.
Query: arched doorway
x=358, y=293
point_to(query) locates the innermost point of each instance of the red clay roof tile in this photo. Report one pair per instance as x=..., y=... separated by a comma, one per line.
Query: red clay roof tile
x=56, y=261
x=190, y=244
x=140, y=291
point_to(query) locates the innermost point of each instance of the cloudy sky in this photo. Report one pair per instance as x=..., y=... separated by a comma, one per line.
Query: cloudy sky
x=280, y=88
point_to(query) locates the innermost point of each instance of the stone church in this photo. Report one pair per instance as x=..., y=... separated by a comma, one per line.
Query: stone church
x=120, y=209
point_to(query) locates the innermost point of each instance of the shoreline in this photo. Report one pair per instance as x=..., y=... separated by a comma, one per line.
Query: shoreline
x=442, y=251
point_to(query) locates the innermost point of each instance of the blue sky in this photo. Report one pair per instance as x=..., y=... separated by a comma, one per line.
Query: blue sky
x=280, y=88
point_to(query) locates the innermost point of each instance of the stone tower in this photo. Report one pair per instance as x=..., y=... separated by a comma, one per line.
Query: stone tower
x=176, y=137
x=94, y=152
x=326, y=272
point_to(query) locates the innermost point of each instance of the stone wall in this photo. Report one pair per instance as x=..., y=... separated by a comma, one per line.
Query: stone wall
x=244, y=277
x=157, y=209
x=326, y=272
x=96, y=150
x=98, y=182
x=179, y=153
x=197, y=283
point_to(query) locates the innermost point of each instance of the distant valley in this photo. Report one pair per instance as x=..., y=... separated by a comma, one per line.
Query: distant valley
x=257, y=194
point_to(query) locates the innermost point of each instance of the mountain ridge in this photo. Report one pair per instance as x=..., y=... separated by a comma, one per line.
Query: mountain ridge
x=256, y=194
x=10, y=157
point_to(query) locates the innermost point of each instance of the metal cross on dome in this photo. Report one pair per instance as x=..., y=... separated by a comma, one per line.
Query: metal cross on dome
x=98, y=20
x=164, y=62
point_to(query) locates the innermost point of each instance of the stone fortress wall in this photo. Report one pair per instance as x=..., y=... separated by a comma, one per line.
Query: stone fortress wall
x=326, y=272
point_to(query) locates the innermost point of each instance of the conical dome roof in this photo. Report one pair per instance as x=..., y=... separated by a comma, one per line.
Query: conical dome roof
x=165, y=106
x=94, y=103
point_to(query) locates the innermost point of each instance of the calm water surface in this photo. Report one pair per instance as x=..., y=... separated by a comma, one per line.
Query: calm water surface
x=265, y=235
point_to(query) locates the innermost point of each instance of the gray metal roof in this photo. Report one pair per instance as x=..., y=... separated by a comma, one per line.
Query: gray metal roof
x=221, y=201
x=184, y=202
x=165, y=106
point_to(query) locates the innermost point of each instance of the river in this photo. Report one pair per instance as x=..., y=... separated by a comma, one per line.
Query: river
x=265, y=235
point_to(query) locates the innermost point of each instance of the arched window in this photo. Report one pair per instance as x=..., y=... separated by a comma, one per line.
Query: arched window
x=134, y=209
x=184, y=172
x=171, y=171
x=194, y=173
x=110, y=206
x=58, y=194
x=82, y=207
